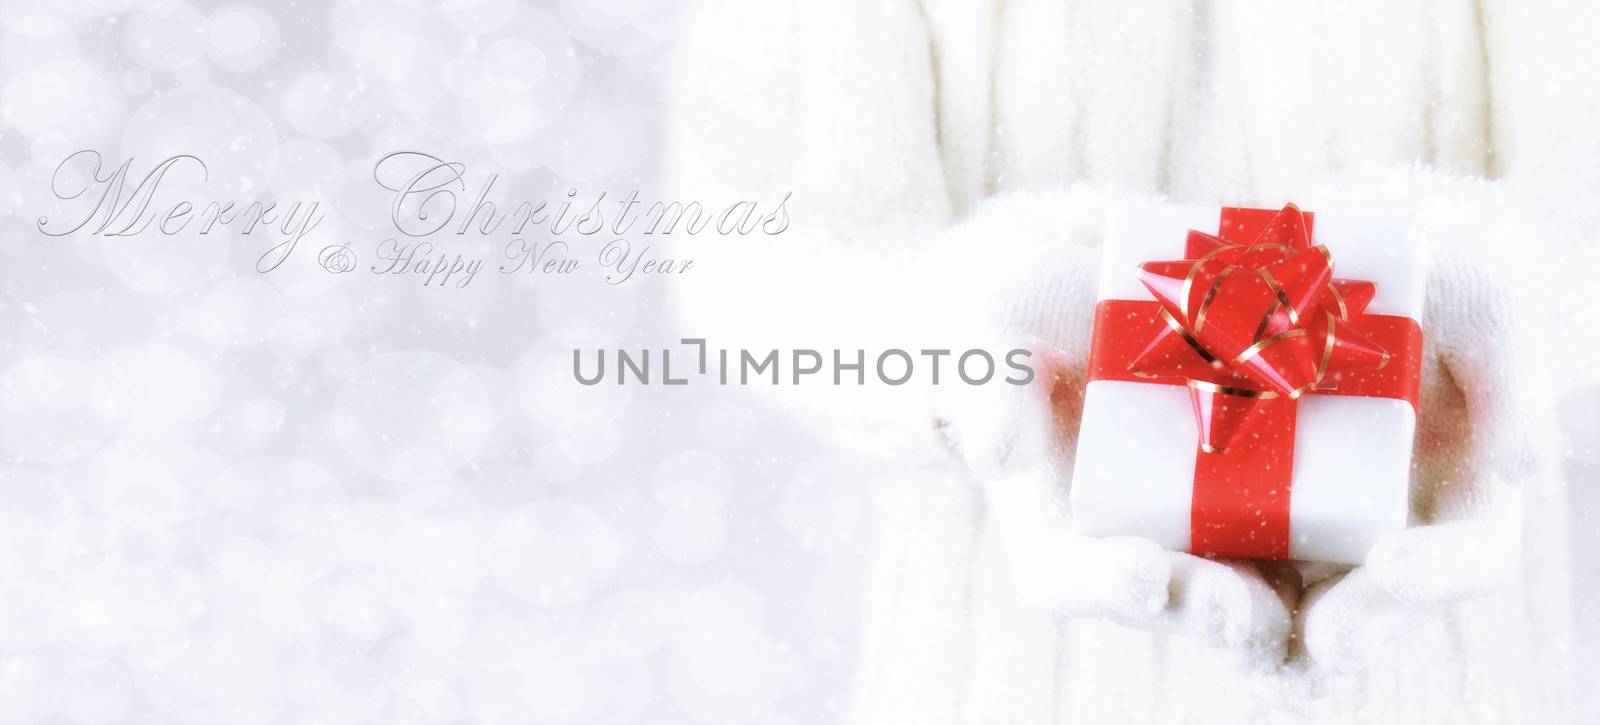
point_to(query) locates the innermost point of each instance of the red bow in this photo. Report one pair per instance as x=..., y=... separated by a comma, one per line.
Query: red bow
x=1247, y=322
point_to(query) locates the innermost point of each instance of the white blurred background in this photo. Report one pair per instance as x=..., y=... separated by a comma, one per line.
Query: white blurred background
x=295, y=497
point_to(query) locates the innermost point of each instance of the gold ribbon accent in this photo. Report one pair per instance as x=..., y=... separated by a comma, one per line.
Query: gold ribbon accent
x=1344, y=312
x=1327, y=352
x=1261, y=330
x=1283, y=297
x=1188, y=279
x=1256, y=349
x=1211, y=294
x=1177, y=327
x=1188, y=339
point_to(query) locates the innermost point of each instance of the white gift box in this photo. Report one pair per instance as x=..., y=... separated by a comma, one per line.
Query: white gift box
x=1135, y=462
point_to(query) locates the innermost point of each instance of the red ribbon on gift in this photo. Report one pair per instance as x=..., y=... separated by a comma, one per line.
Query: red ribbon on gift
x=1250, y=320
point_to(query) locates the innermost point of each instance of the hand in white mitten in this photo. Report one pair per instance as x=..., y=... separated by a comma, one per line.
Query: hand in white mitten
x=1018, y=440
x=1481, y=431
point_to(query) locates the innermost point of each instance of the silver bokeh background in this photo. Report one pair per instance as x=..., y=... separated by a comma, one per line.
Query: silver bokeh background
x=295, y=497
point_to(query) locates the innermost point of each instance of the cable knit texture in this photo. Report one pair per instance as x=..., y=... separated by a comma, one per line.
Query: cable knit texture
x=950, y=163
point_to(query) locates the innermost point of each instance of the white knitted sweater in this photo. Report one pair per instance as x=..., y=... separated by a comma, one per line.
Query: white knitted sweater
x=934, y=149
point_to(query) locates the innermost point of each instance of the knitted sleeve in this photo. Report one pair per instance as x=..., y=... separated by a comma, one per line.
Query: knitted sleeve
x=881, y=250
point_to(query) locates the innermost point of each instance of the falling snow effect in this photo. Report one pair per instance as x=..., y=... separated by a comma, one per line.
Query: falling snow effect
x=229, y=497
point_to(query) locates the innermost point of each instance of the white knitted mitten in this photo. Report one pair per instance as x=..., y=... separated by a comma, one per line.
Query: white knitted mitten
x=1037, y=290
x=1483, y=428
x=1480, y=434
